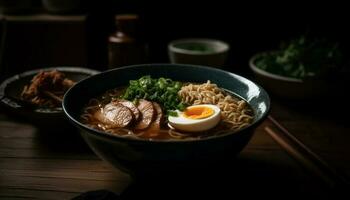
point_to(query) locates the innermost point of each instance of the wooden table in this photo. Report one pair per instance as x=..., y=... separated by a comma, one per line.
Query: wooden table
x=40, y=165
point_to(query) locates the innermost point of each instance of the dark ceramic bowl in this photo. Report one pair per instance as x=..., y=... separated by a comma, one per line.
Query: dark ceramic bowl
x=288, y=87
x=199, y=51
x=139, y=156
x=11, y=89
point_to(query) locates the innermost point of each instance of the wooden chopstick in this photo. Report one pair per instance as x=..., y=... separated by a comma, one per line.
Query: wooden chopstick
x=53, y=96
x=305, y=155
x=296, y=140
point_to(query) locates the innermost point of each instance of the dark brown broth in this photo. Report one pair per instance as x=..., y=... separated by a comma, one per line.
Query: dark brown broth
x=165, y=133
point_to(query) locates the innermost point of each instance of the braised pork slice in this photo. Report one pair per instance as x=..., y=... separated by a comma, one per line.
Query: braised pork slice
x=115, y=115
x=131, y=106
x=154, y=128
x=147, y=114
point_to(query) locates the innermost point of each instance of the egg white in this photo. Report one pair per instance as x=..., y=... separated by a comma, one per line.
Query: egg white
x=182, y=123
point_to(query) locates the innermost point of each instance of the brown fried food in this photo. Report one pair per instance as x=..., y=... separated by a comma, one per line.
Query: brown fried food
x=47, y=88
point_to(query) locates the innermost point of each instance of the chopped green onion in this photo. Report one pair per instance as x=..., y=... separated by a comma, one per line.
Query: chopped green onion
x=162, y=90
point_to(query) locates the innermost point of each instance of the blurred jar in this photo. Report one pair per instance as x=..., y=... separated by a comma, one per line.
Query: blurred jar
x=125, y=47
x=15, y=6
x=62, y=6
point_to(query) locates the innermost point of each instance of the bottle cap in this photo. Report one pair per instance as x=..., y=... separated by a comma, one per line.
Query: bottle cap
x=127, y=23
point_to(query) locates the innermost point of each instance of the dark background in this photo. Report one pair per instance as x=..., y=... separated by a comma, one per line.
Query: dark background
x=249, y=27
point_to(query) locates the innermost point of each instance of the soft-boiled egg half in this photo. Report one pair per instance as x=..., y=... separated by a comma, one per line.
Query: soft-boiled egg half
x=196, y=118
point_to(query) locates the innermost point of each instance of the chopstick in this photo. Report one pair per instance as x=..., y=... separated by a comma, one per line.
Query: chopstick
x=53, y=96
x=305, y=155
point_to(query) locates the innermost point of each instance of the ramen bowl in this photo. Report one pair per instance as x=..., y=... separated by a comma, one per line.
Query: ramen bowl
x=142, y=156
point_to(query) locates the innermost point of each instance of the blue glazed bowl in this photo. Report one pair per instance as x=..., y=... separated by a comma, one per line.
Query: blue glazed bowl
x=139, y=156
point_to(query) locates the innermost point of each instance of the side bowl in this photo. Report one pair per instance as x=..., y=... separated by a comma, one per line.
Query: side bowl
x=287, y=87
x=140, y=156
x=199, y=51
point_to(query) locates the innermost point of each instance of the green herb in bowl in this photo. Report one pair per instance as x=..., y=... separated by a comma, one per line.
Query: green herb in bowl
x=161, y=90
x=199, y=47
x=301, y=58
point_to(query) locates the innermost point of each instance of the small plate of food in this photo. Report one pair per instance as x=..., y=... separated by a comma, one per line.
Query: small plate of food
x=37, y=95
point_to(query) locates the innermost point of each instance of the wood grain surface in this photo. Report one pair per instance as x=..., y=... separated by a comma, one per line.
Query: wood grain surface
x=38, y=164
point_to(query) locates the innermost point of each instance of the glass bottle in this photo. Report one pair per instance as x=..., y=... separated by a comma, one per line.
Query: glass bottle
x=124, y=46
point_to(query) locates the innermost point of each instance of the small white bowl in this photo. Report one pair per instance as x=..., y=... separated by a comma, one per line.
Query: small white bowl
x=198, y=51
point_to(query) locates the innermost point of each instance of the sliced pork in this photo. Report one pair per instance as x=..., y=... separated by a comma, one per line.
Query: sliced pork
x=131, y=106
x=154, y=129
x=147, y=114
x=115, y=115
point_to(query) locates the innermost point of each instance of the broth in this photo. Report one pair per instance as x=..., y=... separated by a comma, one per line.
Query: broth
x=166, y=132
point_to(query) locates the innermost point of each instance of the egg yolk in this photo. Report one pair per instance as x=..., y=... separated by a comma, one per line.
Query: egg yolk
x=198, y=112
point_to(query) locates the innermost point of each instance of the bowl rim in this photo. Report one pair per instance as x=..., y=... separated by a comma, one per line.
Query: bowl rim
x=262, y=72
x=224, y=46
x=99, y=133
x=18, y=104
